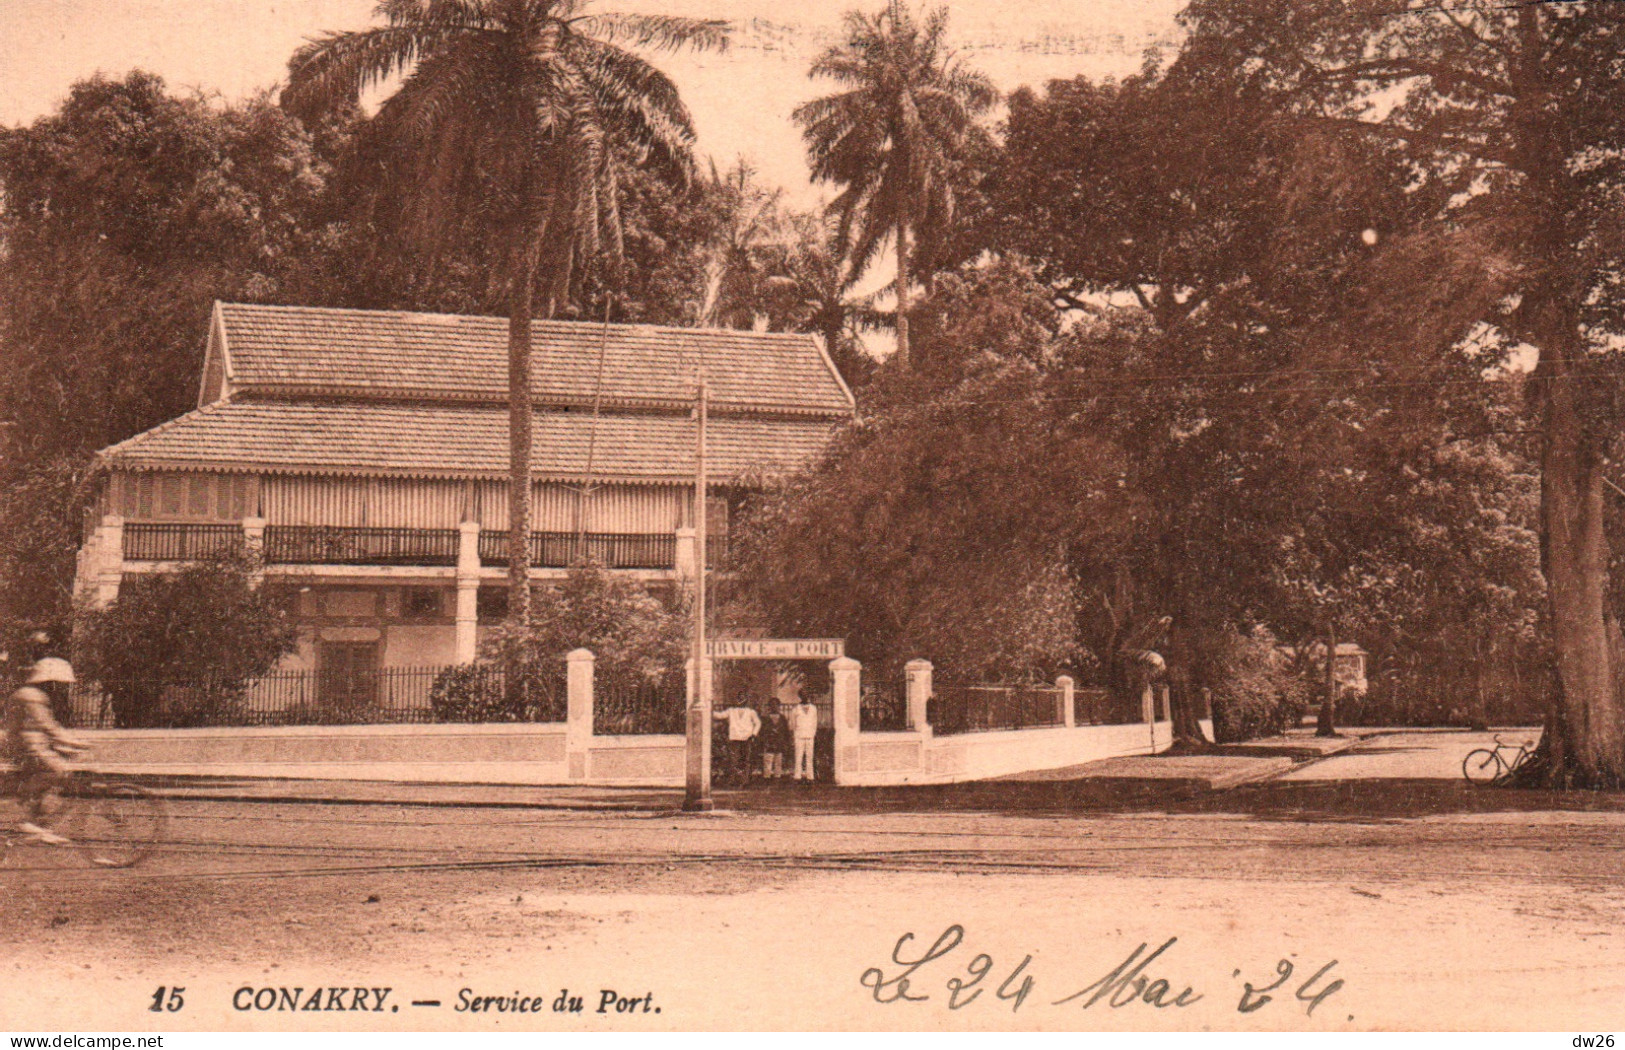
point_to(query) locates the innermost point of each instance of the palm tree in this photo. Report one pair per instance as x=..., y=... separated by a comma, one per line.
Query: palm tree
x=893, y=139
x=506, y=126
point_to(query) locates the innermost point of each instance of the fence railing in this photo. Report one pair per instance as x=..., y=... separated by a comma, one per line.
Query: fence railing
x=983, y=708
x=392, y=695
x=333, y=545
x=152, y=541
x=1095, y=707
x=557, y=550
x=883, y=709
x=624, y=709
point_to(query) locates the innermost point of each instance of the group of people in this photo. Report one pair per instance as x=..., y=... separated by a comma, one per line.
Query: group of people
x=789, y=730
x=35, y=744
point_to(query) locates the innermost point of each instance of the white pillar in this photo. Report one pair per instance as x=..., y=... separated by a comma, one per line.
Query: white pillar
x=578, y=712
x=686, y=563
x=468, y=591
x=1069, y=711
x=110, y=548
x=254, y=548
x=846, y=673
x=917, y=690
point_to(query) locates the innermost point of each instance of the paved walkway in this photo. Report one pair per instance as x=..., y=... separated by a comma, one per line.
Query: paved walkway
x=1299, y=755
x=1233, y=764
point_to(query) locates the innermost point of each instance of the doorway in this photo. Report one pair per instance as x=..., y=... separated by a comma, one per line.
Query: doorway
x=347, y=673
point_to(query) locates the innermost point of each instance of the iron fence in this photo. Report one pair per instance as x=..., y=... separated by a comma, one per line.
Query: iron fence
x=557, y=550
x=984, y=708
x=152, y=541
x=388, y=696
x=332, y=545
x=883, y=709
x=630, y=708
x=1094, y=707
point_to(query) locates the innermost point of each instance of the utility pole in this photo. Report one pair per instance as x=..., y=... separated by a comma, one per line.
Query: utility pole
x=697, y=779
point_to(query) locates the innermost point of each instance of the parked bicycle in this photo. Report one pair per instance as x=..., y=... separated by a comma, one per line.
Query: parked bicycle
x=110, y=823
x=1489, y=765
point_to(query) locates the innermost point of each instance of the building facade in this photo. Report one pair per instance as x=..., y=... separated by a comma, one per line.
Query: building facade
x=362, y=457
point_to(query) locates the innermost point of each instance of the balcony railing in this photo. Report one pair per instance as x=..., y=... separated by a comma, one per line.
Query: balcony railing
x=147, y=541
x=557, y=550
x=324, y=545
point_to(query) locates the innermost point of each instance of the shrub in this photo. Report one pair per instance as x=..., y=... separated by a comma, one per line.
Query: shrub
x=1257, y=693
x=476, y=693
x=195, y=637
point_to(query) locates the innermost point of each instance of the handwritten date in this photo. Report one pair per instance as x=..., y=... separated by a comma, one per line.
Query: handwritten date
x=1138, y=979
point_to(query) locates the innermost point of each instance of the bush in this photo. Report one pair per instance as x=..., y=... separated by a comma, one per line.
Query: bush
x=204, y=629
x=1257, y=693
x=475, y=693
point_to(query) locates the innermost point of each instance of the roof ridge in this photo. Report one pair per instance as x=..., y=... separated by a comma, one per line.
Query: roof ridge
x=723, y=333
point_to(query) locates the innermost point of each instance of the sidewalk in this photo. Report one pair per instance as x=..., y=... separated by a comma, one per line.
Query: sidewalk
x=1230, y=766
x=1134, y=776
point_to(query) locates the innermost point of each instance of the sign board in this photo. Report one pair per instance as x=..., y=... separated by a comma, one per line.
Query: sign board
x=775, y=648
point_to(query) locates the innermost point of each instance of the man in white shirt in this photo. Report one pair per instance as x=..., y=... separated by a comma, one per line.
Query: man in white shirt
x=804, y=724
x=743, y=725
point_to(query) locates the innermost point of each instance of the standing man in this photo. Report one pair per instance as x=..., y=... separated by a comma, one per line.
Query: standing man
x=743, y=725
x=804, y=723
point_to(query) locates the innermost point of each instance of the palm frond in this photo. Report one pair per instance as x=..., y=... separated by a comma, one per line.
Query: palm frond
x=332, y=71
x=663, y=32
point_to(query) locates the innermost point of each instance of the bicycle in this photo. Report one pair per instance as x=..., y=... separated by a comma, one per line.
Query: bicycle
x=110, y=823
x=1487, y=765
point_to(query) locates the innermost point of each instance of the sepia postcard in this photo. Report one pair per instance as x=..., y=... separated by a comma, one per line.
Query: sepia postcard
x=576, y=516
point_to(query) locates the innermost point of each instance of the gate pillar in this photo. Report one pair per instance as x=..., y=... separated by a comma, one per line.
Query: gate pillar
x=846, y=691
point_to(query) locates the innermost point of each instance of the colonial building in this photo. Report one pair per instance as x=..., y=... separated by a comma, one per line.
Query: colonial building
x=364, y=456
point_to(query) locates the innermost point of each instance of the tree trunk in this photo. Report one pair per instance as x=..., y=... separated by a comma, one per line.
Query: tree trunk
x=1584, y=745
x=520, y=414
x=904, y=278
x=1187, y=678
x=1326, y=724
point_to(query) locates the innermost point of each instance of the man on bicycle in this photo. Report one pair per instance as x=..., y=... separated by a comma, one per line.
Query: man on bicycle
x=37, y=746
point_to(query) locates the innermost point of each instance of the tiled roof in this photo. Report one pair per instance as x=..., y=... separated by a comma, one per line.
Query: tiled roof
x=377, y=353
x=463, y=441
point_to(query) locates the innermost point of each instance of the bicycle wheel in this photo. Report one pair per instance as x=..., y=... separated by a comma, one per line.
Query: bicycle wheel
x=1481, y=766
x=117, y=825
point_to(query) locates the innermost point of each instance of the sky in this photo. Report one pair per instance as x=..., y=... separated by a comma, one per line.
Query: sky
x=741, y=100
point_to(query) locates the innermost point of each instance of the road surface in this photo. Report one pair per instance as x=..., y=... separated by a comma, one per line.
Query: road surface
x=1436, y=905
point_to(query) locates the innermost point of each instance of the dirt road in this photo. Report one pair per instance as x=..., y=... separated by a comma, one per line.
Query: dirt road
x=1443, y=907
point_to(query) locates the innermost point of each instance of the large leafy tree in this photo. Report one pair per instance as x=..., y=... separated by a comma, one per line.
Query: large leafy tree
x=507, y=125
x=1516, y=112
x=126, y=213
x=894, y=138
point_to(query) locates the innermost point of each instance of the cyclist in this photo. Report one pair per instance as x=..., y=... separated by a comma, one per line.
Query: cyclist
x=38, y=746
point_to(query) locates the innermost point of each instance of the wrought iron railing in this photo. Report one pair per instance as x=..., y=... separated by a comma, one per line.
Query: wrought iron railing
x=984, y=708
x=1095, y=707
x=626, y=708
x=154, y=541
x=557, y=550
x=333, y=545
x=883, y=709
x=391, y=695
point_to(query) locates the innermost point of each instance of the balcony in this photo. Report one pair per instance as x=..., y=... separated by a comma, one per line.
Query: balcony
x=557, y=550
x=336, y=545
x=147, y=541
x=325, y=545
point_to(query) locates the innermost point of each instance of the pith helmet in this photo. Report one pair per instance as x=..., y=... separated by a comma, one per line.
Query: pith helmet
x=51, y=669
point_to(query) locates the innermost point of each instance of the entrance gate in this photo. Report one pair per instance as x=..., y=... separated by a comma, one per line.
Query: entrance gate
x=760, y=687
